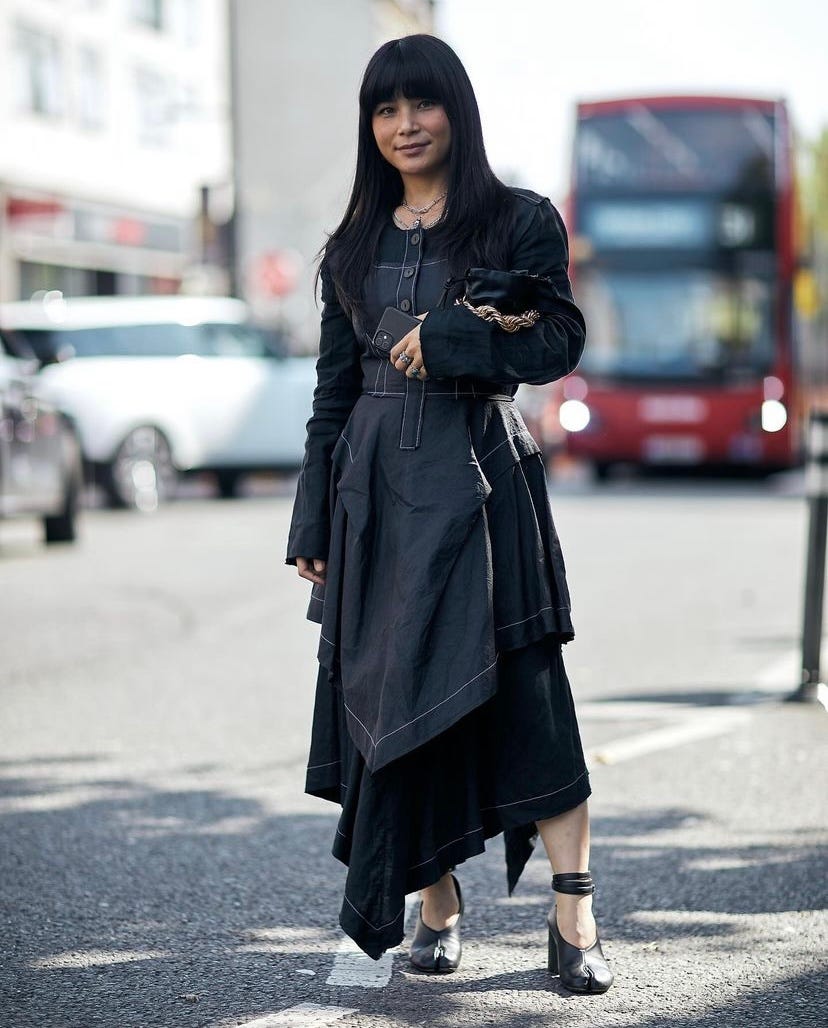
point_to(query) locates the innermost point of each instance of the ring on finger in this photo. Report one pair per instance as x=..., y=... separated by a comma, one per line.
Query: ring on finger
x=405, y=358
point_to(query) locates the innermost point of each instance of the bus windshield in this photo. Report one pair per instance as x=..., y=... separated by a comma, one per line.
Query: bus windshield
x=678, y=324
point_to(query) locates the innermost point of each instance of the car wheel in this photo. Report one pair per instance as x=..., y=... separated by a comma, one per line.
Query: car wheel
x=228, y=483
x=142, y=475
x=62, y=527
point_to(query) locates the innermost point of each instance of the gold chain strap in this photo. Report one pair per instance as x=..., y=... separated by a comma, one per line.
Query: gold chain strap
x=508, y=322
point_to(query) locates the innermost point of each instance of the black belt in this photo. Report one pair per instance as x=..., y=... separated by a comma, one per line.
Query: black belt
x=413, y=394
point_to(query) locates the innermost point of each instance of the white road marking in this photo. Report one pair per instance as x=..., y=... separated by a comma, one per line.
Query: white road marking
x=356, y=970
x=305, y=1015
x=698, y=725
x=689, y=723
x=632, y=710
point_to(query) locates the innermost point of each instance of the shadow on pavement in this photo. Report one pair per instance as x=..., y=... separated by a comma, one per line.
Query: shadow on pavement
x=125, y=904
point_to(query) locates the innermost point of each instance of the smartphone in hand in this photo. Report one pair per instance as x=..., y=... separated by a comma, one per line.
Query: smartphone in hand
x=393, y=325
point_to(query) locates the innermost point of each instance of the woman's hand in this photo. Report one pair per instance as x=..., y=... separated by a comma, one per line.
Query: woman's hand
x=410, y=346
x=312, y=568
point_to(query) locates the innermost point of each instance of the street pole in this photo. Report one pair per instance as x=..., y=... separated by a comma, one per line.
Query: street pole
x=811, y=688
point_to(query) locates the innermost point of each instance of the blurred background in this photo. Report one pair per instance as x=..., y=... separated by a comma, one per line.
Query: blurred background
x=199, y=148
x=168, y=171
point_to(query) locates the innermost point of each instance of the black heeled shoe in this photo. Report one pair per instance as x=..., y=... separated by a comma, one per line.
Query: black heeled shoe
x=581, y=970
x=437, y=952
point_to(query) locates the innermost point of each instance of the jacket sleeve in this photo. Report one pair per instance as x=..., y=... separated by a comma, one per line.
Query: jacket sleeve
x=457, y=342
x=338, y=385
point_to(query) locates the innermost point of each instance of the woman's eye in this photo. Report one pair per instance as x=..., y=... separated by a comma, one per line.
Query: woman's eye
x=385, y=110
x=427, y=103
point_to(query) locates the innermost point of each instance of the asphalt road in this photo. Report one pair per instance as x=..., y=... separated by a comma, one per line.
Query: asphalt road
x=161, y=866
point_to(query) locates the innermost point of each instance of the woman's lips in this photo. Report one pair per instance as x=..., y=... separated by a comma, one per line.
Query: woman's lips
x=415, y=149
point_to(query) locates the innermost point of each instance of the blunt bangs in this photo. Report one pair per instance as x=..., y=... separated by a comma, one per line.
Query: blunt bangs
x=401, y=68
x=474, y=229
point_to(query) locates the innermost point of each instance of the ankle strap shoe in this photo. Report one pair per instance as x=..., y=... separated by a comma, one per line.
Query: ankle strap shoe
x=581, y=970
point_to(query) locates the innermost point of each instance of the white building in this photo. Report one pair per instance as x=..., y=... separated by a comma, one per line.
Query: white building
x=113, y=115
x=297, y=66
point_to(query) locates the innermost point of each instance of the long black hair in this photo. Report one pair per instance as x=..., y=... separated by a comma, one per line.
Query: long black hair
x=477, y=208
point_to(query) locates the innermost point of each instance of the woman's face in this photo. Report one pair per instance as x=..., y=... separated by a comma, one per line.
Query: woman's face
x=412, y=134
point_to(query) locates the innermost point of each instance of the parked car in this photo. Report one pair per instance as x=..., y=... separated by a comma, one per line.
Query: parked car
x=41, y=470
x=164, y=385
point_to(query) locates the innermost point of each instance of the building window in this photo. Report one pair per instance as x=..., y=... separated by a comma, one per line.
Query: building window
x=38, y=72
x=154, y=107
x=91, y=93
x=148, y=12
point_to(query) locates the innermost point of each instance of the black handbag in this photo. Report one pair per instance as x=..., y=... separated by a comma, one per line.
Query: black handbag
x=512, y=299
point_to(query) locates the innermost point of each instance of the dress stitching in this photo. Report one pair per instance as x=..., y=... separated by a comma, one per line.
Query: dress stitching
x=396, y=267
x=474, y=831
x=314, y=767
x=369, y=923
x=354, y=716
x=399, y=284
x=417, y=718
x=415, y=279
x=402, y=422
x=436, y=395
x=350, y=451
x=542, y=609
x=514, y=435
x=436, y=705
x=420, y=417
x=529, y=799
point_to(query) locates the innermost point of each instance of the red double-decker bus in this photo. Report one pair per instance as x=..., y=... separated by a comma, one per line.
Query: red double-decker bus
x=681, y=220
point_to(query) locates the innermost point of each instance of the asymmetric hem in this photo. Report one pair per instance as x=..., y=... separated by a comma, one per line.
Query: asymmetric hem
x=514, y=759
x=401, y=828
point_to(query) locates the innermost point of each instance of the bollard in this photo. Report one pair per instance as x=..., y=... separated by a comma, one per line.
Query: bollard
x=811, y=688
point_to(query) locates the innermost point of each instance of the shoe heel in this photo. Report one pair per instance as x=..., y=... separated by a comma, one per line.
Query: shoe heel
x=580, y=969
x=552, y=958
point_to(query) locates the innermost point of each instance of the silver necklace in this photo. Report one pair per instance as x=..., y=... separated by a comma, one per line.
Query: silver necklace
x=423, y=210
x=417, y=223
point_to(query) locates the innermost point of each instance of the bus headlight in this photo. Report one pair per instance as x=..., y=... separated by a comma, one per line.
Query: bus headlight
x=573, y=415
x=774, y=416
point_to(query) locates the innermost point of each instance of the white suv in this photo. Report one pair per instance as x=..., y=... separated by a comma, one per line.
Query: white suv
x=161, y=385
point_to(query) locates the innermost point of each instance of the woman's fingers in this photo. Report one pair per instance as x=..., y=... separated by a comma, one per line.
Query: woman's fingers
x=410, y=346
x=312, y=568
x=409, y=343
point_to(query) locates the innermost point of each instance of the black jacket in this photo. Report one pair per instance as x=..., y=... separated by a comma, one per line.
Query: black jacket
x=404, y=481
x=456, y=344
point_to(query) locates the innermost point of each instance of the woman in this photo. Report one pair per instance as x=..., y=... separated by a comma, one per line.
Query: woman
x=443, y=714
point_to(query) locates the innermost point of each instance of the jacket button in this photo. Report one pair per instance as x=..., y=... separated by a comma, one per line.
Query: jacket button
x=405, y=305
x=408, y=273
x=415, y=238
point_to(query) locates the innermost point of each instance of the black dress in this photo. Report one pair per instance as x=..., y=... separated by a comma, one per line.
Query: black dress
x=443, y=713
